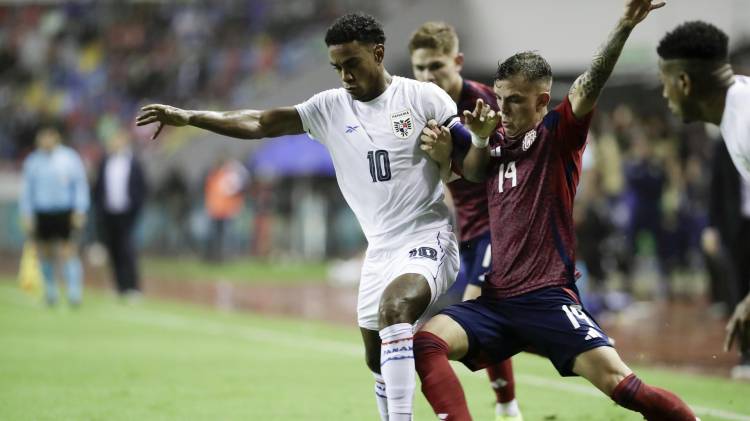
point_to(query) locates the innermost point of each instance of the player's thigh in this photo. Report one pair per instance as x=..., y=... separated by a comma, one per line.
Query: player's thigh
x=471, y=292
x=434, y=256
x=601, y=366
x=451, y=332
x=553, y=321
x=488, y=333
x=371, y=286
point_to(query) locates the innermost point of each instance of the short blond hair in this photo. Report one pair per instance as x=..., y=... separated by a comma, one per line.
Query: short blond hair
x=435, y=35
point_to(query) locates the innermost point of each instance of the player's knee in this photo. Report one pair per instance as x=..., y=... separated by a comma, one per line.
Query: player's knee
x=428, y=343
x=395, y=310
x=609, y=382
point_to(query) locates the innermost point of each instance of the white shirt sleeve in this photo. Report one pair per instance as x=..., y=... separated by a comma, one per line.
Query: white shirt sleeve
x=437, y=104
x=315, y=114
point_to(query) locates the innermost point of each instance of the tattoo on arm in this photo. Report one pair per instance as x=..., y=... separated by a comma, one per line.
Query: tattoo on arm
x=589, y=85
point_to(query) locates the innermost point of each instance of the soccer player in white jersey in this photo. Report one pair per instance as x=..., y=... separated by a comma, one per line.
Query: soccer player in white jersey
x=700, y=85
x=371, y=127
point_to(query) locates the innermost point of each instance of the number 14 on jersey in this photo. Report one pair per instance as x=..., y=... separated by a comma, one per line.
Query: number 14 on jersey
x=507, y=172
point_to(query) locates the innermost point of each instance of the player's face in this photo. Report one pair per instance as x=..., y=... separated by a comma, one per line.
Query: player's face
x=521, y=104
x=47, y=139
x=359, y=66
x=675, y=89
x=433, y=65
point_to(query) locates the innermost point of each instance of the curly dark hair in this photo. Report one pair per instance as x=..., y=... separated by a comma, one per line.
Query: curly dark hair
x=694, y=40
x=529, y=64
x=355, y=27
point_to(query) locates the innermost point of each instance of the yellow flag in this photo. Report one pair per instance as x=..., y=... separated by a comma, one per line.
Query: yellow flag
x=30, y=274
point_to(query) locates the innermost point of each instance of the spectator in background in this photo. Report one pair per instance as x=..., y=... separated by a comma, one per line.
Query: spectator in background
x=53, y=205
x=725, y=239
x=645, y=181
x=174, y=196
x=119, y=194
x=224, y=192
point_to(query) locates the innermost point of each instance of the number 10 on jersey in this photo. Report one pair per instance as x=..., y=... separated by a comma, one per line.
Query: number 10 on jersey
x=380, y=165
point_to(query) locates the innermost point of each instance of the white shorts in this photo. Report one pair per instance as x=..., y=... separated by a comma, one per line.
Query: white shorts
x=432, y=254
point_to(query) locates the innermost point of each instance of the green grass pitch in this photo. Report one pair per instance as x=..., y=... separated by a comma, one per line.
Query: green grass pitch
x=165, y=361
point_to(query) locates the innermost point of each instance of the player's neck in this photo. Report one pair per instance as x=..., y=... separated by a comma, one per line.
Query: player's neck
x=456, y=88
x=383, y=82
x=712, y=108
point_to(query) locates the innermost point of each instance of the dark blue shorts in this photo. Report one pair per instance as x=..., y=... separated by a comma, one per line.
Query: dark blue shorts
x=549, y=321
x=476, y=259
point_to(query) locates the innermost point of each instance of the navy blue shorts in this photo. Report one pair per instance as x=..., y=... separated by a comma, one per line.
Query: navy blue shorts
x=549, y=321
x=476, y=259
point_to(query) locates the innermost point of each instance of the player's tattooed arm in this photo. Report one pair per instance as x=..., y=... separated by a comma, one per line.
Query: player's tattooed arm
x=587, y=87
x=243, y=124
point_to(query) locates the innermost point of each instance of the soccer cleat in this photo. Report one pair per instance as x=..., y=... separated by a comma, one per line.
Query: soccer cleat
x=508, y=411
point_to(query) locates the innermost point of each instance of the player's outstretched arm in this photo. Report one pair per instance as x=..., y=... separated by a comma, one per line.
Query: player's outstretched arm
x=243, y=124
x=585, y=90
x=482, y=122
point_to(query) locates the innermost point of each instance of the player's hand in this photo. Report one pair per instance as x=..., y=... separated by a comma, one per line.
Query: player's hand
x=437, y=142
x=164, y=115
x=77, y=220
x=482, y=121
x=637, y=10
x=738, y=328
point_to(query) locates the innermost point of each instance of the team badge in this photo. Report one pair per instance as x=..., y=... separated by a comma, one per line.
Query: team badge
x=402, y=124
x=528, y=140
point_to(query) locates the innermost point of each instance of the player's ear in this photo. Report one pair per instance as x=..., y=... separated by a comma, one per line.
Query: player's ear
x=379, y=53
x=684, y=84
x=459, y=60
x=542, y=100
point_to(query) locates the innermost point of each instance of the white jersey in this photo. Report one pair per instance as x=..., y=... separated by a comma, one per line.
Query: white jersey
x=735, y=124
x=392, y=186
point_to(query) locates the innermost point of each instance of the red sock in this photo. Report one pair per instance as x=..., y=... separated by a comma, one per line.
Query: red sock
x=653, y=403
x=439, y=383
x=501, y=378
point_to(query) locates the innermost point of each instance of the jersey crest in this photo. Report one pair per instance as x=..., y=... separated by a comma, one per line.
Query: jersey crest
x=402, y=124
x=528, y=140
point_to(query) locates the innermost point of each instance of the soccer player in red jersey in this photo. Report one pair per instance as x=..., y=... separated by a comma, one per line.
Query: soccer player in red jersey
x=529, y=298
x=435, y=57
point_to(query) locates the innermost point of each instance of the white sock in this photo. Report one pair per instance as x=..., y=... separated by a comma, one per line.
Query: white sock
x=397, y=367
x=509, y=409
x=380, y=397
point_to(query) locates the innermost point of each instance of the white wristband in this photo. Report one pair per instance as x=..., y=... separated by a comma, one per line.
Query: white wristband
x=479, y=142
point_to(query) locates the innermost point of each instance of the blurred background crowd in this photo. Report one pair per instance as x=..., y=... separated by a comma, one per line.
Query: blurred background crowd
x=653, y=217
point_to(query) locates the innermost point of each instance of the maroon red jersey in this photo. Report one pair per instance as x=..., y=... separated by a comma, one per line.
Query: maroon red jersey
x=531, y=185
x=470, y=199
